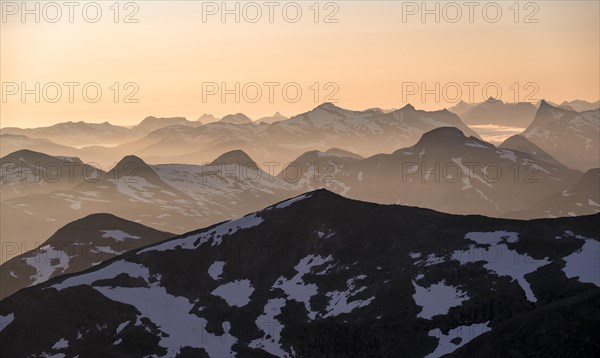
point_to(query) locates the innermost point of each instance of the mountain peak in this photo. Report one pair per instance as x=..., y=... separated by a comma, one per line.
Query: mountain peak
x=408, y=107
x=445, y=132
x=238, y=118
x=237, y=156
x=132, y=166
x=494, y=100
x=328, y=106
x=33, y=157
x=441, y=135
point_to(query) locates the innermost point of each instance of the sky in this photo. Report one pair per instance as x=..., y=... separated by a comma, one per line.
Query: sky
x=187, y=58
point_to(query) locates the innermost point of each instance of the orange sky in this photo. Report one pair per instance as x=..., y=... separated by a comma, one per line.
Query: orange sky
x=367, y=57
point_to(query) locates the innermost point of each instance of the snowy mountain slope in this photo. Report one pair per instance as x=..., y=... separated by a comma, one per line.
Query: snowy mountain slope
x=445, y=171
x=571, y=137
x=315, y=275
x=173, y=198
x=363, y=132
x=75, y=247
x=26, y=172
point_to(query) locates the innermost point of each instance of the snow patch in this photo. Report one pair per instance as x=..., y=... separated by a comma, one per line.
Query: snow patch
x=216, y=269
x=236, y=293
x=61, y=344
x=287, y=203
x=465, y=333
x=584, y=263
x=437, y=299
x=295, y=288
x=46, y=261
x=338, y=302
x=171, y=314
x=6, y=320
x=117, y=235
x=271, y=328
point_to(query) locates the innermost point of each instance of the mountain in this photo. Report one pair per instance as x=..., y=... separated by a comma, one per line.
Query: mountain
x=238, y=118
x=571, y=137
x=582, y=198
x=76, y=247
x=496, y=112
x=150, y=124
x=11, y=143
x=26, y=172
x=522, y=144
x=445, y=171
x=322, y=275
x=362, y=132
x=271, y=119
x=462, y=107
x=77, y=134
x=567, y=336
x=207, y=118
x=170, y=197
x=580, y=105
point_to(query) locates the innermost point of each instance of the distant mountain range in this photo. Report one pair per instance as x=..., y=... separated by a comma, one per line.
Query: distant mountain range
x=445, y=171
x=495, y=112
x=277, y=138
x=75, y=247
x=322, y=275
x=176, y=140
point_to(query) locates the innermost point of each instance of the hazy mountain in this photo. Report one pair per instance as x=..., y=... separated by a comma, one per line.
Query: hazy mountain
x=362, y=132
x=522, y=144
x=462, y=107
x=494, y=111
x=571, y=137
x=270, y=119
x=150, y=124
x=445, y=171
x=320, y=275
x=171, y=197
x=11, y=143
x=78, y=134
x=26, y=172
x=580, y=105
x=76, y=247
x=582, y=198
x=207, y=118
x=238, y=118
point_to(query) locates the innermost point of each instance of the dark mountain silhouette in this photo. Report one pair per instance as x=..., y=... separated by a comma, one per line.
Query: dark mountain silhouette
x=321, y=275
x=76, y=247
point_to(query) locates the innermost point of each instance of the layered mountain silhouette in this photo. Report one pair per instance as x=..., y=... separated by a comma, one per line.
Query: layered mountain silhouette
x=571, y=137
x=496, y=112
x=150, y=124
x=75, y=247
x=174, y=198
x=26, y=172
x=363, y=132
x=445, y=171
x=322, y=275
x=271, y=119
